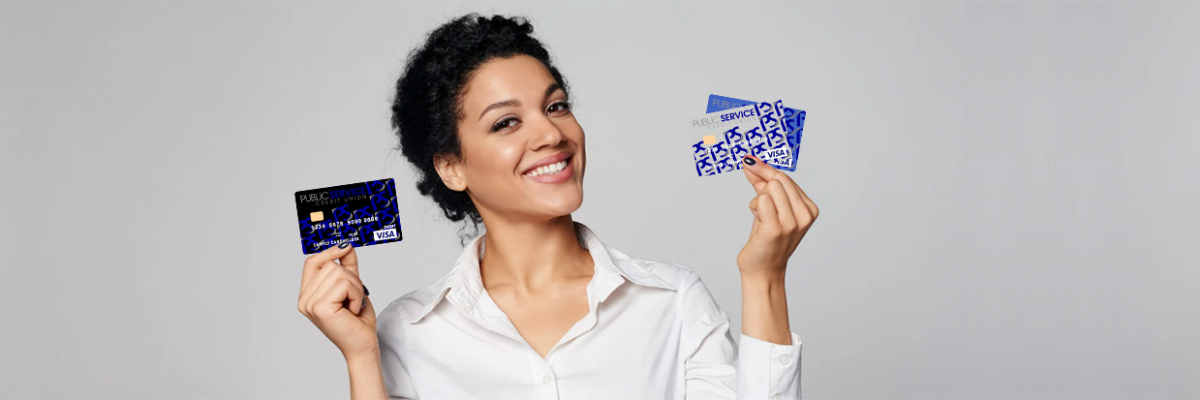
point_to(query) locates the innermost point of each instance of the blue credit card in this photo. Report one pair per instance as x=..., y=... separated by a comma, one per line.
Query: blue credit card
x=722, y=103
x=362, y=213
x=793, y=119
x=724, y=137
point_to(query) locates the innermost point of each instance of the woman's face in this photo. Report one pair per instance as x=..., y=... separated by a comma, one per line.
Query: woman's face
x=522, y=148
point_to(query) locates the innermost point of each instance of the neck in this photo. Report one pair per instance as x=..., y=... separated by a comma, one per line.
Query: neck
x=529, y=256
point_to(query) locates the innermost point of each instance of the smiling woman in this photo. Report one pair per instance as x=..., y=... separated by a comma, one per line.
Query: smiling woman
x=523, y=155
x=431, y=102
x=539, y=306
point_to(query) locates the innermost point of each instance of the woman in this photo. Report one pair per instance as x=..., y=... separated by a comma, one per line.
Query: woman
x=538, y=306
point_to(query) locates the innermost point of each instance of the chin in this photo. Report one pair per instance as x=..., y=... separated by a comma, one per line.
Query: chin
x=563, y=206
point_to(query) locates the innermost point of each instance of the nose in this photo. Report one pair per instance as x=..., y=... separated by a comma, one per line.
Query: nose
x=545, y=133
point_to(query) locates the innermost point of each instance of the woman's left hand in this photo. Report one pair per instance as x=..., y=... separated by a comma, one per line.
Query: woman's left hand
x=782, y=215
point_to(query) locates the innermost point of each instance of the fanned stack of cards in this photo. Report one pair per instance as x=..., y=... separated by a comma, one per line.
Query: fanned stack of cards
x=733, y=128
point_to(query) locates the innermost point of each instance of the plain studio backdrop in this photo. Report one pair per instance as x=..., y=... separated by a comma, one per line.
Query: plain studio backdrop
x=1008, y=190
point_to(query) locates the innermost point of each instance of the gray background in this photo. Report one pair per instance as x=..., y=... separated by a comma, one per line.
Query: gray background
x=1007, y=190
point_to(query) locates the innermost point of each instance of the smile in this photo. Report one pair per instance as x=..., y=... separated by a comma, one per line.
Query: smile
x=552, y=173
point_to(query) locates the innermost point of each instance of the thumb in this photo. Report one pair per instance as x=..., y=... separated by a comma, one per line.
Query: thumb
x=349, y=260
x=752, y=166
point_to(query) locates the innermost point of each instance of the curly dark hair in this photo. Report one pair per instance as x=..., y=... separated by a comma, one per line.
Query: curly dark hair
x=429, y=95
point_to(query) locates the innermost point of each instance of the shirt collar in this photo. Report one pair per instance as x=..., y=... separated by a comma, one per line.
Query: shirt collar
x=463, y=286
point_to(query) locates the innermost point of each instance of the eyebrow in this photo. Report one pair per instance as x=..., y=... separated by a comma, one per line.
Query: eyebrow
x=514, y=102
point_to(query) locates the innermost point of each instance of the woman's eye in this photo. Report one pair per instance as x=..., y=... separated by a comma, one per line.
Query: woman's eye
x=559, y=107
x=504, y=123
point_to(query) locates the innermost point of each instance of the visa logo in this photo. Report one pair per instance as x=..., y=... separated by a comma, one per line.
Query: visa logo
x=776, y=153
x=385, y=234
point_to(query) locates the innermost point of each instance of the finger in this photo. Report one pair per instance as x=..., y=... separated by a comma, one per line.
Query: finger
x=763, y=170
x=791, y=185
x=799, y=208
x=754, y=210
x=767, y=217
x=812, y=207
x=749, y=164
x=368, y=310
x=310, y=293
x=315, y=261
x=783, y=206
x=357, y=298
x=333, y=298
x=350, y=261
x=366, y=293
x=330, y=283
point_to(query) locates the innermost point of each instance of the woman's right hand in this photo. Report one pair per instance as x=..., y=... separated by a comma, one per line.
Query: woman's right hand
x=333, y=298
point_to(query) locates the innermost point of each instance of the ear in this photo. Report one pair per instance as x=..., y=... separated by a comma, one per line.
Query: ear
x=451, y=172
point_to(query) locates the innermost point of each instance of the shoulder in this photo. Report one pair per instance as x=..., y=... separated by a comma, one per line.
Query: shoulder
x=401, y=311
x=693, y=297
x=679, y=277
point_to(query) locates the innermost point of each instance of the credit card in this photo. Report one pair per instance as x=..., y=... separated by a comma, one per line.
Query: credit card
x=724, y=137
x=793, y=120
x=363, y=214
x=722, y=103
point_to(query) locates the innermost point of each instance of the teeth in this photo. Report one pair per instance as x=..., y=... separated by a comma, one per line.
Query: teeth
x=549, y=169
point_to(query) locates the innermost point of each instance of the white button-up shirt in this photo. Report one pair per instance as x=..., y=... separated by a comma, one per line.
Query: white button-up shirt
x=653, y=331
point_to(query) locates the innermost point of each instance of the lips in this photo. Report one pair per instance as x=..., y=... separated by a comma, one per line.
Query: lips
x=563, y=155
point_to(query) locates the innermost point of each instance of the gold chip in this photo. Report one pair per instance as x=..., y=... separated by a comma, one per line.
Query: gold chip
x=710, y=140
x=317, y=216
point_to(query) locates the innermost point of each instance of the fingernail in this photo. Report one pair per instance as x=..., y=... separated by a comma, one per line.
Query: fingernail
x=365, y=291
x=343, y=245
x=748, y=160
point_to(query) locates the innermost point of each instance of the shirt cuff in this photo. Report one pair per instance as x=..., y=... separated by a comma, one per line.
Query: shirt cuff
x=767, y=370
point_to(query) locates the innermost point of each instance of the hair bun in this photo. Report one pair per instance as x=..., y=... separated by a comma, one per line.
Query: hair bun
x=516, y=24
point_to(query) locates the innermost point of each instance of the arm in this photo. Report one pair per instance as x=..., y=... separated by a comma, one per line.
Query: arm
x=391, y=360
x=782, y=215
x=770, y=351
x=764, y=309
x=333, y=297
x=366, y=376
x=717, y=367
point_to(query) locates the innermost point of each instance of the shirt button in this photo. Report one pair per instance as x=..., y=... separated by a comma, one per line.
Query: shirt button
x=546, y=379
x=784, y=359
